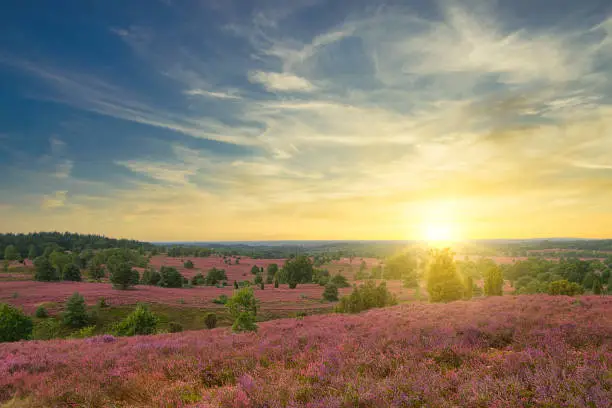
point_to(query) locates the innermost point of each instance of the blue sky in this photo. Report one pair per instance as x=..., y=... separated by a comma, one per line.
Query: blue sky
x=183, y=120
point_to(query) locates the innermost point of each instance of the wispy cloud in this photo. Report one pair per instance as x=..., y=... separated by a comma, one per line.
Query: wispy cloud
x=56, y=200
x=274, y=81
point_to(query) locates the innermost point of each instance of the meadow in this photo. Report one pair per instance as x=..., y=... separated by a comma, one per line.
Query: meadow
x=510, y=351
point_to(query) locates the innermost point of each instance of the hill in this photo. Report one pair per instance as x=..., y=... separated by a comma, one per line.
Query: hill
x=511, y=351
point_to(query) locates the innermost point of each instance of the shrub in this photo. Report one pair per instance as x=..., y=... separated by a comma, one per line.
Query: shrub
x=44, y=270
x=330, y=293
x=493, y=280
x=270, y=272
x=564, y=287
x=95, y=271
x=366, y=296
x=188, y=264
x=597, y=287
x=75, y=314
x=150, y=277
x=121, y=273
x=402, y=266
x=102, y=303
x=261, y=286
x=140, y=321
x=41, y=312
x=14, y=324
x=47, y=329
x=174, y=327
x=469, y=288
x=170, y=278
x=221, y=300
x=258, y=279
x=339, y=281
x=72, y=273
x=235, y=285
x=255, y=270
x=242, y=306
x=215, y=276
x=443, y=281
x=297, y=270
x=210, y=320
x=198, y=279
x=83, y=333
x=276, y=284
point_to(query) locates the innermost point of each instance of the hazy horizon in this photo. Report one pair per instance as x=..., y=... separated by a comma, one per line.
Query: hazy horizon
x=275, y=120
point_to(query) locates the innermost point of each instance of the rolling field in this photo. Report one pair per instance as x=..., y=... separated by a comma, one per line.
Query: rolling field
x=512, y=351
x=234, y=272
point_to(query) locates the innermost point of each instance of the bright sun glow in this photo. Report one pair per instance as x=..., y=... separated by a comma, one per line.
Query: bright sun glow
x=439, y=233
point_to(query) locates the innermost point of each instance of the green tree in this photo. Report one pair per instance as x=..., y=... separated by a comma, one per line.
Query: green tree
x=255, y=270
x=60, y=260
x=140, y=322
x=366, y=296
x=198, y=279
x=95, y=271
x=564, y=287
x=75, y=313
x=44, y=271
x=493, y=281
x=258, y=279
x=210, y=320
x=298, y=270
x=443, y=281
x=330, y=293
x=151, y=277
x=11, y=253
x=5, y=265
x=170, y=277
x=32, y=252
x=122, y=276
x=14, y=324
x=469, y=288
x=597, y=287
x=402, y=266
x=276, y=283
x=72, y=273
x=339, y=281
x=215, y=276
x=188, y=264
x=242, y=307
x=235, y=285
x=41, y=312
x=270, y=272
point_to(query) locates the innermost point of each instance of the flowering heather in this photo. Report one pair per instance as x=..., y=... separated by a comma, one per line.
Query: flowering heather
x=512, y=351
x=32, y=294
x=239, y=272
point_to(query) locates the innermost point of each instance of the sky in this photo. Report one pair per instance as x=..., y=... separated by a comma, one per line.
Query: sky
x=167, y=120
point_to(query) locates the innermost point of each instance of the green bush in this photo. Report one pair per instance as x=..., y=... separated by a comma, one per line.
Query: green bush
x=210, y=320
x=242, y=306
x=221, y=300
x=150, y=277
x=83, y=333
x=122, y=276
x=215, y=276
x=174, y=327
x=339, y=281
x=170, y=278
x=198, y=279
x=14, y=324
x=48, y=329
x=71, y=273
x=564, y=287
x=443, y=281
x=258, y=279
x=140, y=322
x=75, y=313
x=102, y=303
x=330, y=293
x=366, y=296
x=188, y=264
x=41, y=312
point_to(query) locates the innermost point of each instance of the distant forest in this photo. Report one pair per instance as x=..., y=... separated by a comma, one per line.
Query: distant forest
x=36, y=243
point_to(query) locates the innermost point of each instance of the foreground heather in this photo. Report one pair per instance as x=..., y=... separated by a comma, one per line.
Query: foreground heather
x=526, y=351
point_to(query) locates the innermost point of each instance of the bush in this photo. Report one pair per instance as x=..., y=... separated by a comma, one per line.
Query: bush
x=261, y=286
x=366, y=296
x=188, y=264
x=122, y=276
x=150, y=277
x=174, y=327
x=170, y=278
x=95, y=271
x=221, y=300
x=443, y=281
x=140, y=322
x=210, y=320
x=258, y=279
x=255, y=270
x=339, y=281
x=41, y=312
x=564, y=287
x=75, y=313
x=330, y=293
x=215, y=276
x=297, y=270
x=102, y=303
x=14, y=324
x=48, y=329
x=235, y=285
x=242, y=306
x=72, y=273
x=493, y=280
x=44, y=270
x=276, y=284
x=83, y=333
x=270, y=272
x=198, y=279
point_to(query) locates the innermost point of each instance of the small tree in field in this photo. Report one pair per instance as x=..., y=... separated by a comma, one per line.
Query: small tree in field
x=44, y=270
x=72, y=273
x=564, y=287
x=276, y=283
x=122, y=276
x=170, y=277
x=597, y=287
x=235, y=285
x=271, y=271
x=330, y=293
x=242, y=306
x=95, y=270
x=493, y=280
x=14, y=324
x=298, y=270
x=469, y=288
x=11, y=253
x=188, y=264
x=255, y=270
x=210, y=320
x=443, y=281
x=75, y=314
x=140, y=322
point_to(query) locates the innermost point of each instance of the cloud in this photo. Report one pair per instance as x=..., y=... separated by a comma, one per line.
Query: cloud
x=54, y=201
x=212, y=94
x=275, y=81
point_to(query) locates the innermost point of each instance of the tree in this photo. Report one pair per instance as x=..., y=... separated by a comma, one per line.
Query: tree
x=493, y=280
x=402, y=266
x=75, y=313
x=215, y=276
x=330, y=293
x=298, y=270
x=188, y=264
x=198, y=279
x=11, y=253
x=60, y=260
x=170, y=277
x=276, y=283
x=122, y=276
x=242, y=306
x=258, y=279
x=564, y=287
x=95, y=270
x=255, y=270
x=41, y=312
x=235, y=285
x=14, y=324
x=140, y=322
x=5, y=265
x=366, y=296
x=469, y=288
x=270, y=272
x=261, y=286
x=32, y=252
x=72, y=273
x=151, y=277
x=210, y=320
x=339, y=281
x=44, y=270
x=443, y=281
x=597, y=287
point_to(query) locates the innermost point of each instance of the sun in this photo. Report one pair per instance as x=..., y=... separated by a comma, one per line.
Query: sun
x=439, y=233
